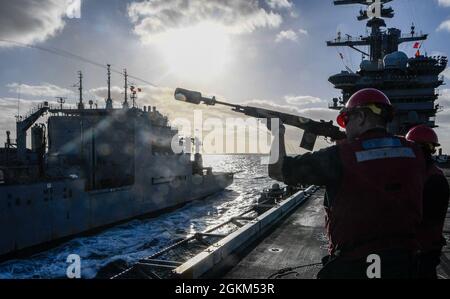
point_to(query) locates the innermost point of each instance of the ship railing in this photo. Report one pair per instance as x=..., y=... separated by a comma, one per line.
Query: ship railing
x=335, y=107
x=410, y=35
x=57, y=106
x=33, y=110
x=350, y=39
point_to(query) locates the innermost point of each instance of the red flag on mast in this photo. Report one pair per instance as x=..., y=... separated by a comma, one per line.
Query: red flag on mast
x=417, y=45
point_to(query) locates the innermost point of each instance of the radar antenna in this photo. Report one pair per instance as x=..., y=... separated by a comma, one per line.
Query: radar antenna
x=61, y=101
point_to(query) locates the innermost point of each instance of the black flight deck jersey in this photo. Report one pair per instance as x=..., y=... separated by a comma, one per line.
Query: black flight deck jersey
x=322, y=168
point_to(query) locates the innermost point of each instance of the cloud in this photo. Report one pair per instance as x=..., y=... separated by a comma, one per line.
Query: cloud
x=30, y=21
x=303, y=31
x=43, y=90
x=277, y=4
x=444, y=98
x=445, y=3
x=101, y=93
x=320, y=114
x=314, y=109
x=445, y=26
x=290, y=35
x=443, y=117
x=446, y=73
x=302, y=100
x=152, y=19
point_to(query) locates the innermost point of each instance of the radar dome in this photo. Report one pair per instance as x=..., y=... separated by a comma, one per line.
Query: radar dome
x=367, y=65
x=396, y=60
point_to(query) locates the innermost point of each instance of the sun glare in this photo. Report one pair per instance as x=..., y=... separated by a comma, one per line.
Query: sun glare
x=201, y=51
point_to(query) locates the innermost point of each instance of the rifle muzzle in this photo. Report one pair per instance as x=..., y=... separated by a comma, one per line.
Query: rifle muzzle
x=189, y=96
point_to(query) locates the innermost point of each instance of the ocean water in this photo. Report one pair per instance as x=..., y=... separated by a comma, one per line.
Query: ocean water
x=137, y=239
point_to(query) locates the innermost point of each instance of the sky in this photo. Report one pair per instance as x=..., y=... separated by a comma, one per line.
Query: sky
x=266, y=52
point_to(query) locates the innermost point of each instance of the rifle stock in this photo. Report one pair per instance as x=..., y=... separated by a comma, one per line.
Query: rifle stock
x=319, y=128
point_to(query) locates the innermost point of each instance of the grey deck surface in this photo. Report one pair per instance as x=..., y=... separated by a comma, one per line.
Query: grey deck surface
x=298, y=240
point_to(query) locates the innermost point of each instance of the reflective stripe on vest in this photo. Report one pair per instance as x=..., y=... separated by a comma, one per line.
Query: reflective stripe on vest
x=385, y=153
x=381, y=142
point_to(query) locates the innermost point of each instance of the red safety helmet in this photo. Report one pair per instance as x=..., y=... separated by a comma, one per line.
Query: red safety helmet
x=424, y=135
x=366, y=98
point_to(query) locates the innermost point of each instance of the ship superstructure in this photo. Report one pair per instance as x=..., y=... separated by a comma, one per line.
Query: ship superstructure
x=410, y=82
x=91, y=167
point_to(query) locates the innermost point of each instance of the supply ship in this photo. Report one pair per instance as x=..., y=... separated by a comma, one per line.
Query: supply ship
x=283, y=235
x=90, y=167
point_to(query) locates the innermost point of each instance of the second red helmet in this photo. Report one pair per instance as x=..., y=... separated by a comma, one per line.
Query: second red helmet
x=423, y=134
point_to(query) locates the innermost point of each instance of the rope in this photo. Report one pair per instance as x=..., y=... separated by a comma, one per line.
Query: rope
x=67, y=54
x=290, y=270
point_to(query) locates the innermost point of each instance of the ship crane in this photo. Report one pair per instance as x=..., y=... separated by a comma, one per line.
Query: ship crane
x=23, y=125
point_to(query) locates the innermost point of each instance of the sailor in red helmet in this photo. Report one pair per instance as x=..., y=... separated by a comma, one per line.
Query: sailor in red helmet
x=435, y=204
x=374, y=185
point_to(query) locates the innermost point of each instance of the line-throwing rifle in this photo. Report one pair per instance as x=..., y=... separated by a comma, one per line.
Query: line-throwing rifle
x=312, y=128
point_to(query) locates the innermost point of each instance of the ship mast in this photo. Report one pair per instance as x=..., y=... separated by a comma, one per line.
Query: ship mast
x=109, y=102
x=80, y=89
x=379, y=43
x=125, y=104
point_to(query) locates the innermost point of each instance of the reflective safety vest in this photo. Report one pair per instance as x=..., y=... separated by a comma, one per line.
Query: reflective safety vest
x=379, y=203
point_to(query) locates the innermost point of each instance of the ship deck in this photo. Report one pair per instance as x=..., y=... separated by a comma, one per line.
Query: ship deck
x=295, y=248
x=299, y=240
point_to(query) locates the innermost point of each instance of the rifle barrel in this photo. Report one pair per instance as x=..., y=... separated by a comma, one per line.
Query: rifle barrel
x=319, y=128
